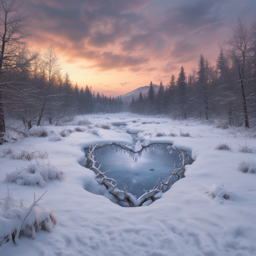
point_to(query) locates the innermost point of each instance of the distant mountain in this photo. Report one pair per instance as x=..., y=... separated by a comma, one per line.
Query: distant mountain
x=136, y=93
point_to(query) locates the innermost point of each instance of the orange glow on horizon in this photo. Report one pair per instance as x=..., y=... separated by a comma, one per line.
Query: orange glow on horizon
x=117, y=46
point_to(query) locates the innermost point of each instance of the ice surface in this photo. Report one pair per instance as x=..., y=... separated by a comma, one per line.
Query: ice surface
x=137, y=172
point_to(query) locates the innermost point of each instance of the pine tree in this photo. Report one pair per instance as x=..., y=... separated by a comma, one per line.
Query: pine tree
x=76, y=98
x=226, y=94
x=88, y=100
x=202, y=81
x=132, y=105
x=151, y=99
x=160, y=99
x=181, y=87
x=140, y=104
x=170, y=95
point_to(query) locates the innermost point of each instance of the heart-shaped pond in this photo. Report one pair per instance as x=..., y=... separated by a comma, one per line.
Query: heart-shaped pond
x=138, y=171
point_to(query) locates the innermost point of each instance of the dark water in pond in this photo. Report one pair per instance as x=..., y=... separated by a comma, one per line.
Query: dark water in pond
x=138, y=173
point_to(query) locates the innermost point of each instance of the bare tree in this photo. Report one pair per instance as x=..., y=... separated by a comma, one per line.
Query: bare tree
x=12, y=33
x=52, y=68
x=239, y=52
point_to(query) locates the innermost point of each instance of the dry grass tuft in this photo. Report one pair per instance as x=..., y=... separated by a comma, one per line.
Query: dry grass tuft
x=222, y=125
x=222, y=146
x=246, y=149
x=247, y=167
x=84, y=122
x=95, y=132
x=24, y=154
x=184, y=134
x=172, y=134
x=78, y=129
x=105, y=126
x=38, y=131
x=35, y=174
x=160, y=134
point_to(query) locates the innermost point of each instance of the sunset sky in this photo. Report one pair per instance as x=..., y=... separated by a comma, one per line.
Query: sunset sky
x=116, y=46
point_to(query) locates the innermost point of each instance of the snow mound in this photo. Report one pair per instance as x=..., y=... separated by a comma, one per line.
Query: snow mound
x=17, y=217
x=64, y=133
x=79, y=129
x=247, y=167
x=35, y=174
x=38, y=131
x=218, y=193
x=55, y=137
x=94, y=132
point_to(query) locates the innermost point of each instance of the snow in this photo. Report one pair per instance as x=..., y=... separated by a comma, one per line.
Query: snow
x=38, y=131
x=16, y=217
x=55, y=137
x=212, y=211
x=35, y=174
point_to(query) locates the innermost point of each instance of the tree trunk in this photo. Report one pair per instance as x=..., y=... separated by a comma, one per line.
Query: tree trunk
x=2, y=122
x=246, y=118
x=230, y=113
x=206, y=105
x=41, y=113
x=50, y=118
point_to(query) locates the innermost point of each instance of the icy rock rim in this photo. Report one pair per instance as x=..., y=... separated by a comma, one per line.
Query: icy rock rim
x=123, y=195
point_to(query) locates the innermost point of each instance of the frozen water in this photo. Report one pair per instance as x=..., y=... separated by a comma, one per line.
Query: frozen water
x=138, y=172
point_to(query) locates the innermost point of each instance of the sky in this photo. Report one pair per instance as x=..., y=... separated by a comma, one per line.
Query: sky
x=116, y=46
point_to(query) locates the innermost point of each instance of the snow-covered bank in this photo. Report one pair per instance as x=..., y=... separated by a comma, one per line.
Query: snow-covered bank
x=193, y=218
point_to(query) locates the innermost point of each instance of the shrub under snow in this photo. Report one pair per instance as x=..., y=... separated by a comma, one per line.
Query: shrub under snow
x=246, y=149
x=95, y=132
x=247, y=167
x=222, y=146
x=64, y=133
x=84, y=122
x=105, y=126
x=218, y=193
x=184, y=134
x=172, y=134
x=160, y=134
x=55, y=137
x=79, y=129
x=35, y=174
x=17, y=217
x=38, y=131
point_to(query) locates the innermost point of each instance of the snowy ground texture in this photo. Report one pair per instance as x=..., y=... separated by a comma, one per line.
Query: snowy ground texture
x=210, y=212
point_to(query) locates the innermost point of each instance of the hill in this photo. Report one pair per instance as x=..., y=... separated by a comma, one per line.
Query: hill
x=127, y=98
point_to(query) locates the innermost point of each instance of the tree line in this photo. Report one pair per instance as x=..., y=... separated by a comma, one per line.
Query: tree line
x=224, y=91
x=33, y=90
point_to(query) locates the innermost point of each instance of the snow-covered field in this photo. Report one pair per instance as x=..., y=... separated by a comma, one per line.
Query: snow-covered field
x=210, y=212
